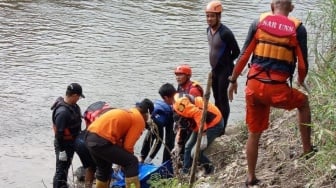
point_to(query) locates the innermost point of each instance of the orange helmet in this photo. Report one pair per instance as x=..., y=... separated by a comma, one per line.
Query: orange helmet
x=214, y=6
x=183, y=69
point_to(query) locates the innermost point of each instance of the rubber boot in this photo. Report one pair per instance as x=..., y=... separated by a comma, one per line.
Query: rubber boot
x=132, y=181
x=102, y=184
x=89, y=177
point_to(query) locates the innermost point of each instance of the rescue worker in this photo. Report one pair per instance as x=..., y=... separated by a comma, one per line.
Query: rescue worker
x=161, y=121
x=183, y=75
x=111, y=139
x=188, y=106
x=185, y=85
x=91, y=114
x=275, y=42
x=223, y=50
x=66, y=118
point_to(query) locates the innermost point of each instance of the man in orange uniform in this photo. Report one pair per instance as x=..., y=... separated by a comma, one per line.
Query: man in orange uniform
x=276, y=41
x=111, y=139
x=91, y=113
x=185, y=85
x=188, y=106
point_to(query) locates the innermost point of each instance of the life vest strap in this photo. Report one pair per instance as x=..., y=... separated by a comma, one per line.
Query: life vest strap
x=288, y=47
x=266, y=81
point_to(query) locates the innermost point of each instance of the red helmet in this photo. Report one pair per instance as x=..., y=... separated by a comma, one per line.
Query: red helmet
x=214, y=6
x=183, y=69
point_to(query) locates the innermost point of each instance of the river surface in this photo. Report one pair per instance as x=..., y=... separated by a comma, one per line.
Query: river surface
x=119, y=51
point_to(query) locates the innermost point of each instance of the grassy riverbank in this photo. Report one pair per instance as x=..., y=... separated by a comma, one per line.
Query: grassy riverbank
x=280, y=163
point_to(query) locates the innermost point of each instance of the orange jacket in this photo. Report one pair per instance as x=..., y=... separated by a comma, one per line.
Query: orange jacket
x=119, y=126
x=192, y=107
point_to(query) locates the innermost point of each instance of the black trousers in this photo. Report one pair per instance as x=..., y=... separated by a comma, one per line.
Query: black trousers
x=169, y=141
x=104, y=153
x=62, y=167
x=152, y=144
x=220, y=84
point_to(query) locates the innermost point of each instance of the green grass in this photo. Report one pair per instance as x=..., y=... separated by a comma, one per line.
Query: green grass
x=322, y=79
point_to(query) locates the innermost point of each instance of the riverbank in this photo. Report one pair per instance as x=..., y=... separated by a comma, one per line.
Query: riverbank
x=279, y=164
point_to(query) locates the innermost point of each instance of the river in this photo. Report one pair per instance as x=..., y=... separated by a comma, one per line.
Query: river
x=119, y=51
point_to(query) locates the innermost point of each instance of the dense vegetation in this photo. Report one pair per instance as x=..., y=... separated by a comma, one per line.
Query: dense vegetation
x=323, y=95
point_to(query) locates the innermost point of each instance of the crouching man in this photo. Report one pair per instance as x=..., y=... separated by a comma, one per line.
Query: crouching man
x=111, y=139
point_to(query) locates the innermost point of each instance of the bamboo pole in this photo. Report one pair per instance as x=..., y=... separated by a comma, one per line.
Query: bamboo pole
x=200, y=130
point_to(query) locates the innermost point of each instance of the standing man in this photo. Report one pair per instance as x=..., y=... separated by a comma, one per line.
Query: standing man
x=223, y=50
x=111, y=139
x=66, y=118
x=275, y=41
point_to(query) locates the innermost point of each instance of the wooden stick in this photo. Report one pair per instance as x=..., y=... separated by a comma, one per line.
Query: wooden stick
x=200, y=130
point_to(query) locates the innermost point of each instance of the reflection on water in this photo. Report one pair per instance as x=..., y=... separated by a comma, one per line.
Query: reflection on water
x=120, y=51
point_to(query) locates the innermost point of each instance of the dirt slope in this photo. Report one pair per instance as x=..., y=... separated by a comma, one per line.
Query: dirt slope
x=279, y=163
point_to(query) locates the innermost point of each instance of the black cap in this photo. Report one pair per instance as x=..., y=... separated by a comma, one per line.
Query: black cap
x=146, y=105
x=75, y=88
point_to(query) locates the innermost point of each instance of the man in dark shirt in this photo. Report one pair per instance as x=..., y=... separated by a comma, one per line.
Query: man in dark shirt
x=223, y=50
x=66, y=118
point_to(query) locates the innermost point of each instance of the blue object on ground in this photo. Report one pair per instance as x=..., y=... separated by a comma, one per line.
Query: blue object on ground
x=145, y=173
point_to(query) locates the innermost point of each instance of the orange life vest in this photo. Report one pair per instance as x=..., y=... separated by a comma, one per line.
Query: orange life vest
x=276, y=37
x=192, y=107
x=275, y=48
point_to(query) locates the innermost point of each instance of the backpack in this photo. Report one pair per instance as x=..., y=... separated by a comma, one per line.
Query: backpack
x=94, y=111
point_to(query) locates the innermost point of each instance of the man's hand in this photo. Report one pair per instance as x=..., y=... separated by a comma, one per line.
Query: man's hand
x=232, y=89
x=62, y=156
x=116, y=167
x=152, y=126
x=176, y=150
